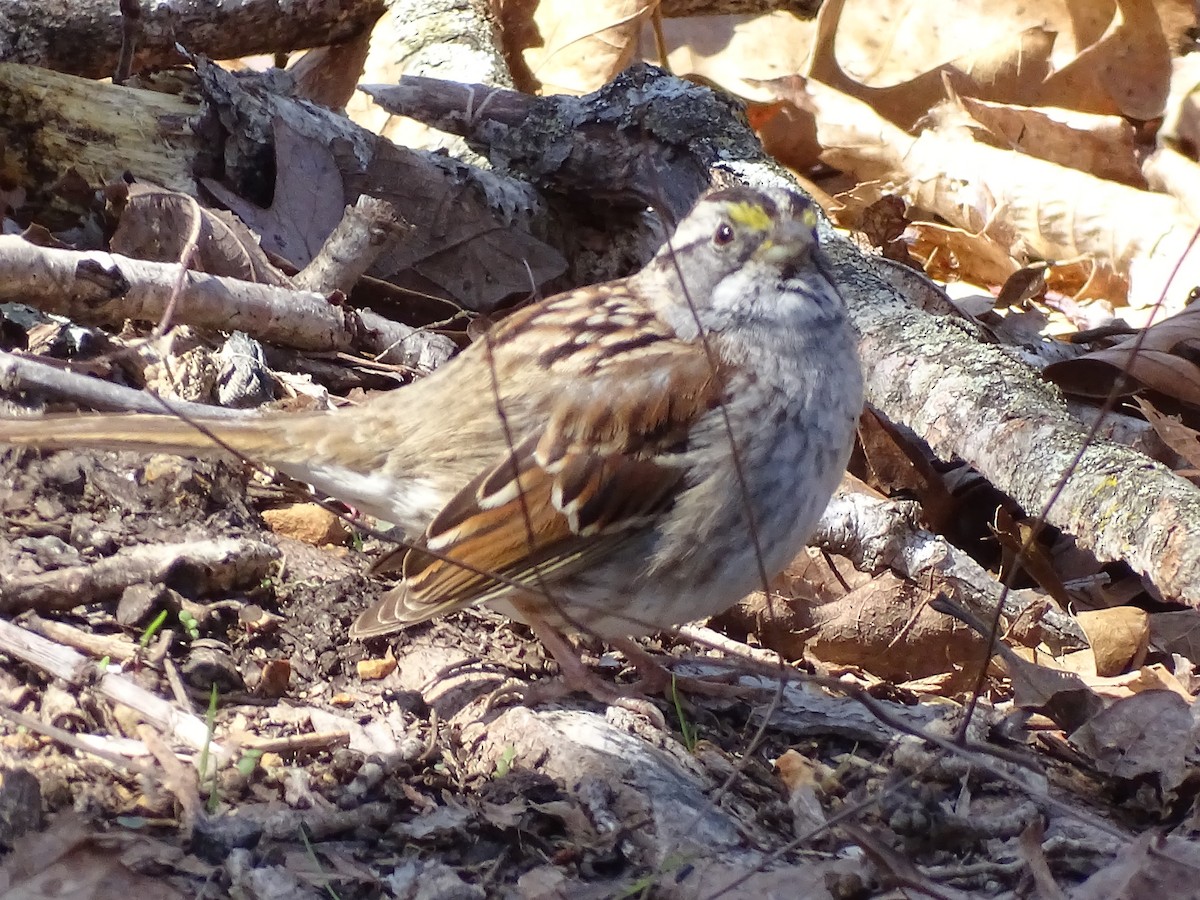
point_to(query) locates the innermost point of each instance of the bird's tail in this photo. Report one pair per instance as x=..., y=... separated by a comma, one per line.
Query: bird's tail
x=256, y=438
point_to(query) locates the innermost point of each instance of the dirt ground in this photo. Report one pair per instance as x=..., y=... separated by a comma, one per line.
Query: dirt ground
x=348, y=772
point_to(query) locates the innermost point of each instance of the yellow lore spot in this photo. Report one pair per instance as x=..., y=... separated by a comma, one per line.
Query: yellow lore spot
x=750, y=215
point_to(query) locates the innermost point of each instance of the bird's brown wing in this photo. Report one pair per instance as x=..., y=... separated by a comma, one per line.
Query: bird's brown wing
x=568, y=495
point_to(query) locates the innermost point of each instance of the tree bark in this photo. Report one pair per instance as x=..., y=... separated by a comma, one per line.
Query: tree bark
x=83, y=37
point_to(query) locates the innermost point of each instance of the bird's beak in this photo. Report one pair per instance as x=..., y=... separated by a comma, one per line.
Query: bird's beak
x=789, y=240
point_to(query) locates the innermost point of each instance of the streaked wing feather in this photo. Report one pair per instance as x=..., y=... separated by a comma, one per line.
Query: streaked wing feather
x=580, y=487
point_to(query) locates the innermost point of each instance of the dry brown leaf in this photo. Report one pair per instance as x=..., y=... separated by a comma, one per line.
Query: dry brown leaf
x=1149, y=733
x=275, y=679
x=1014, y=537
x=1181, y=123
x=1087, y=279
x=1011, y=68
x=736, y=52
x=1081, y=662
x=1041, y=210
x=1177, y=631
x=1152, y=865
x=1126, y=72
x=1040, y=682
x=1033, y=208
x=162, y=225
x=1183, y=440
x=1163, y=363
x=329, y=75
x=1022, y=286
x=1119, y=637
x=569, y=47
x=886, y=628
x=822, y=606
x=1104, y=146
x=1173, y=173
x=954, y=254
x=786, y=126
x=897, y=467
x=71, y=859
x=789, y=135
x=1146, y=678
x=458, y=248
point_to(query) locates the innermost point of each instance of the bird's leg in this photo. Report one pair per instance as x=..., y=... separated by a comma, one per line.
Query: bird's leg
x=575, y=677
x=657, y=679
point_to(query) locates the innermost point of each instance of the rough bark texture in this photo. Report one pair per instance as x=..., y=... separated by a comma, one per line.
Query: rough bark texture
x=83, y=37
x=973, y=401
x=50, y=122
x=452, y=39
x=103, y=287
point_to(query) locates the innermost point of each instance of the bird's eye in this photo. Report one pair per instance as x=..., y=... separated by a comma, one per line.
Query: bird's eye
x=724, y=234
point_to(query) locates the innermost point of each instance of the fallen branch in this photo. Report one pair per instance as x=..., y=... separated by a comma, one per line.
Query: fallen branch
x=79, y=671
x=873, y=533
x=97, y=287
x=207, y=565
x=19, y=374
x=84, y=37
x=975, y=402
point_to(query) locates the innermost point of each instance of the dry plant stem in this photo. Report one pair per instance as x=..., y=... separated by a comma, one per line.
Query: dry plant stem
x=352, y=247
x=845, y=814
x=714, y=640
x=178, y=689
x=299, y=743
x=899, y=869
x=186, y=254
x=978, y=755
x=117, y=648
x=78, y=671
x=658, y=679
x=222, y=561
x=19, y=374
x=182, y=781
x=104, y=287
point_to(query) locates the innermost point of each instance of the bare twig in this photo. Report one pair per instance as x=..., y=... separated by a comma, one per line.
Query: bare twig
x=104, y=287
x=220, y=561
x=366, y=229
x=19, y=373
x=63, y=662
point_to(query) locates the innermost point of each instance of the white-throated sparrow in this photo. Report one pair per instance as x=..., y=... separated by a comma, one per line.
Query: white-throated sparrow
x=623, y=455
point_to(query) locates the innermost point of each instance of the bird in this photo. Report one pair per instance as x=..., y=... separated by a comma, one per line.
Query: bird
x=618, y=459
